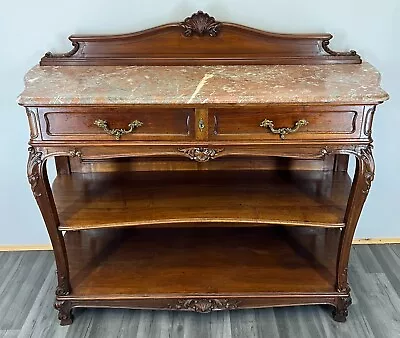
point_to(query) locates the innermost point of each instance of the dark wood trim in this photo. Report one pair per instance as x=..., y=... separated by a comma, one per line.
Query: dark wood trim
x=363, y=177
x=200, y=40
x=63, y=165
x=205, y=304
x=341, y=162
x=38, y=179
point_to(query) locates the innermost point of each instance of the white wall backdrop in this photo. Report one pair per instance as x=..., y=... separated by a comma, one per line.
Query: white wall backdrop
x=30, y=28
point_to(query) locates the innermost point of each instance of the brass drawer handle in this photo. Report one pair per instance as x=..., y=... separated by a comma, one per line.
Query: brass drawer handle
x=285, y=130
x=117, y=133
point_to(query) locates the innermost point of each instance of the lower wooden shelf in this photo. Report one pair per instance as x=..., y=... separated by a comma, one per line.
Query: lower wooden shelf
x=100, y=200
x=150, y=264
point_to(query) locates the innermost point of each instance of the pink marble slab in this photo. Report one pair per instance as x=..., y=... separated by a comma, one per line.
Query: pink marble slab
x=194, y=85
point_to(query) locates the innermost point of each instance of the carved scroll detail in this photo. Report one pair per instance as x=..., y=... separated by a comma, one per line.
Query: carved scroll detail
x=34, y=161
x=64, y=311
x=75, y=48
x=343, y=285
x=341, y=310
x=367, y=158
x=325, y=47
x=368, y=122
x=33, y=122
x=200, y=154
x=200, y=24
x=63, y=286
x=204, y=305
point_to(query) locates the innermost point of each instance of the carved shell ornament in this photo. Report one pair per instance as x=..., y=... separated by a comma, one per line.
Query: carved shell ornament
x=200, y=154
x=204, y=305
x=200, y=24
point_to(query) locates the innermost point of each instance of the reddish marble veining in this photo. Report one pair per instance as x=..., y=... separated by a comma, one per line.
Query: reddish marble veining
x=53, y=85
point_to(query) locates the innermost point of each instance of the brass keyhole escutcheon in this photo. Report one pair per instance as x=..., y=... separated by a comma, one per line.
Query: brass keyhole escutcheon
x=201, y=125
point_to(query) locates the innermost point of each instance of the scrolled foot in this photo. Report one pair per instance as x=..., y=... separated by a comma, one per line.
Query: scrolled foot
x=64, y=312
x=341, y=311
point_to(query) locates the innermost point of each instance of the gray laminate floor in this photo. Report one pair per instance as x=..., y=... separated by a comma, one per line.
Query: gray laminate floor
x=27, y=283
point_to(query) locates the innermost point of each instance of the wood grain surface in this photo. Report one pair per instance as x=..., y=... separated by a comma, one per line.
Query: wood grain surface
x=375, y=281
x=315, y=198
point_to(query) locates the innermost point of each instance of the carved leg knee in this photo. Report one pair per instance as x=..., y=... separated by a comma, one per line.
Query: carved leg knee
x=341, y=311
x=64, y=312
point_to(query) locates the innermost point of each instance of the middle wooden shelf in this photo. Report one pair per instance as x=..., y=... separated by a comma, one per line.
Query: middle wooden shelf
x=201, y=198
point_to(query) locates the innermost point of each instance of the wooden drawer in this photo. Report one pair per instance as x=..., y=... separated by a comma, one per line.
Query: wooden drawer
x=80, y=124
x=280, y=123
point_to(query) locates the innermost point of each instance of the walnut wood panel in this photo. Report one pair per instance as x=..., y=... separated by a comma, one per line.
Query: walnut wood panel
x=322, y=122
x=235, y=261
x=98, y=200
x=79, y=123
x=200, y=39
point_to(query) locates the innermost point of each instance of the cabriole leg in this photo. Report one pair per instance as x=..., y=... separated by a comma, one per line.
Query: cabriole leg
x=37, y=176
x=364, y=174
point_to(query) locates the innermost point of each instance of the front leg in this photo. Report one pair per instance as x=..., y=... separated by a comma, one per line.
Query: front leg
x=37, y=177
x=364, y=174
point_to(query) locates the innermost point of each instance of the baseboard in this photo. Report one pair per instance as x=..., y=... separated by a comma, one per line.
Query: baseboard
x=25, y=247
x=392, y=240
x=49, y=247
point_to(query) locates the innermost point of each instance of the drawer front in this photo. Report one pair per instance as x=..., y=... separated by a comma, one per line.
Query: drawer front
x=117, y=124
x=280, y=123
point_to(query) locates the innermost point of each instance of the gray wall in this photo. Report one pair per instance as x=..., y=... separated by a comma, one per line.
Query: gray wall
x=30, y=28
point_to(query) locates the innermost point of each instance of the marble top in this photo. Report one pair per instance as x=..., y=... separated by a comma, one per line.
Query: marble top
x=259, y=84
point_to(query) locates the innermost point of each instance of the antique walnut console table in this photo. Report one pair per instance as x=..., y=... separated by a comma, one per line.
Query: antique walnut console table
x=201, y=166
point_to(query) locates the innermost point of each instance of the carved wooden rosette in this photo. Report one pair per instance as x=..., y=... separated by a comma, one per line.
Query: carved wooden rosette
x=204, y=305
x=200, y=154
x=200, y=24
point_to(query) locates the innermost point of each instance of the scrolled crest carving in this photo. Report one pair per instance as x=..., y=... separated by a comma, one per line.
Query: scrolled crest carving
x=75, y=48
x=34, y=161
x=325, y=47
x=200, y=24
x=204, y=305
x=200, y=154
